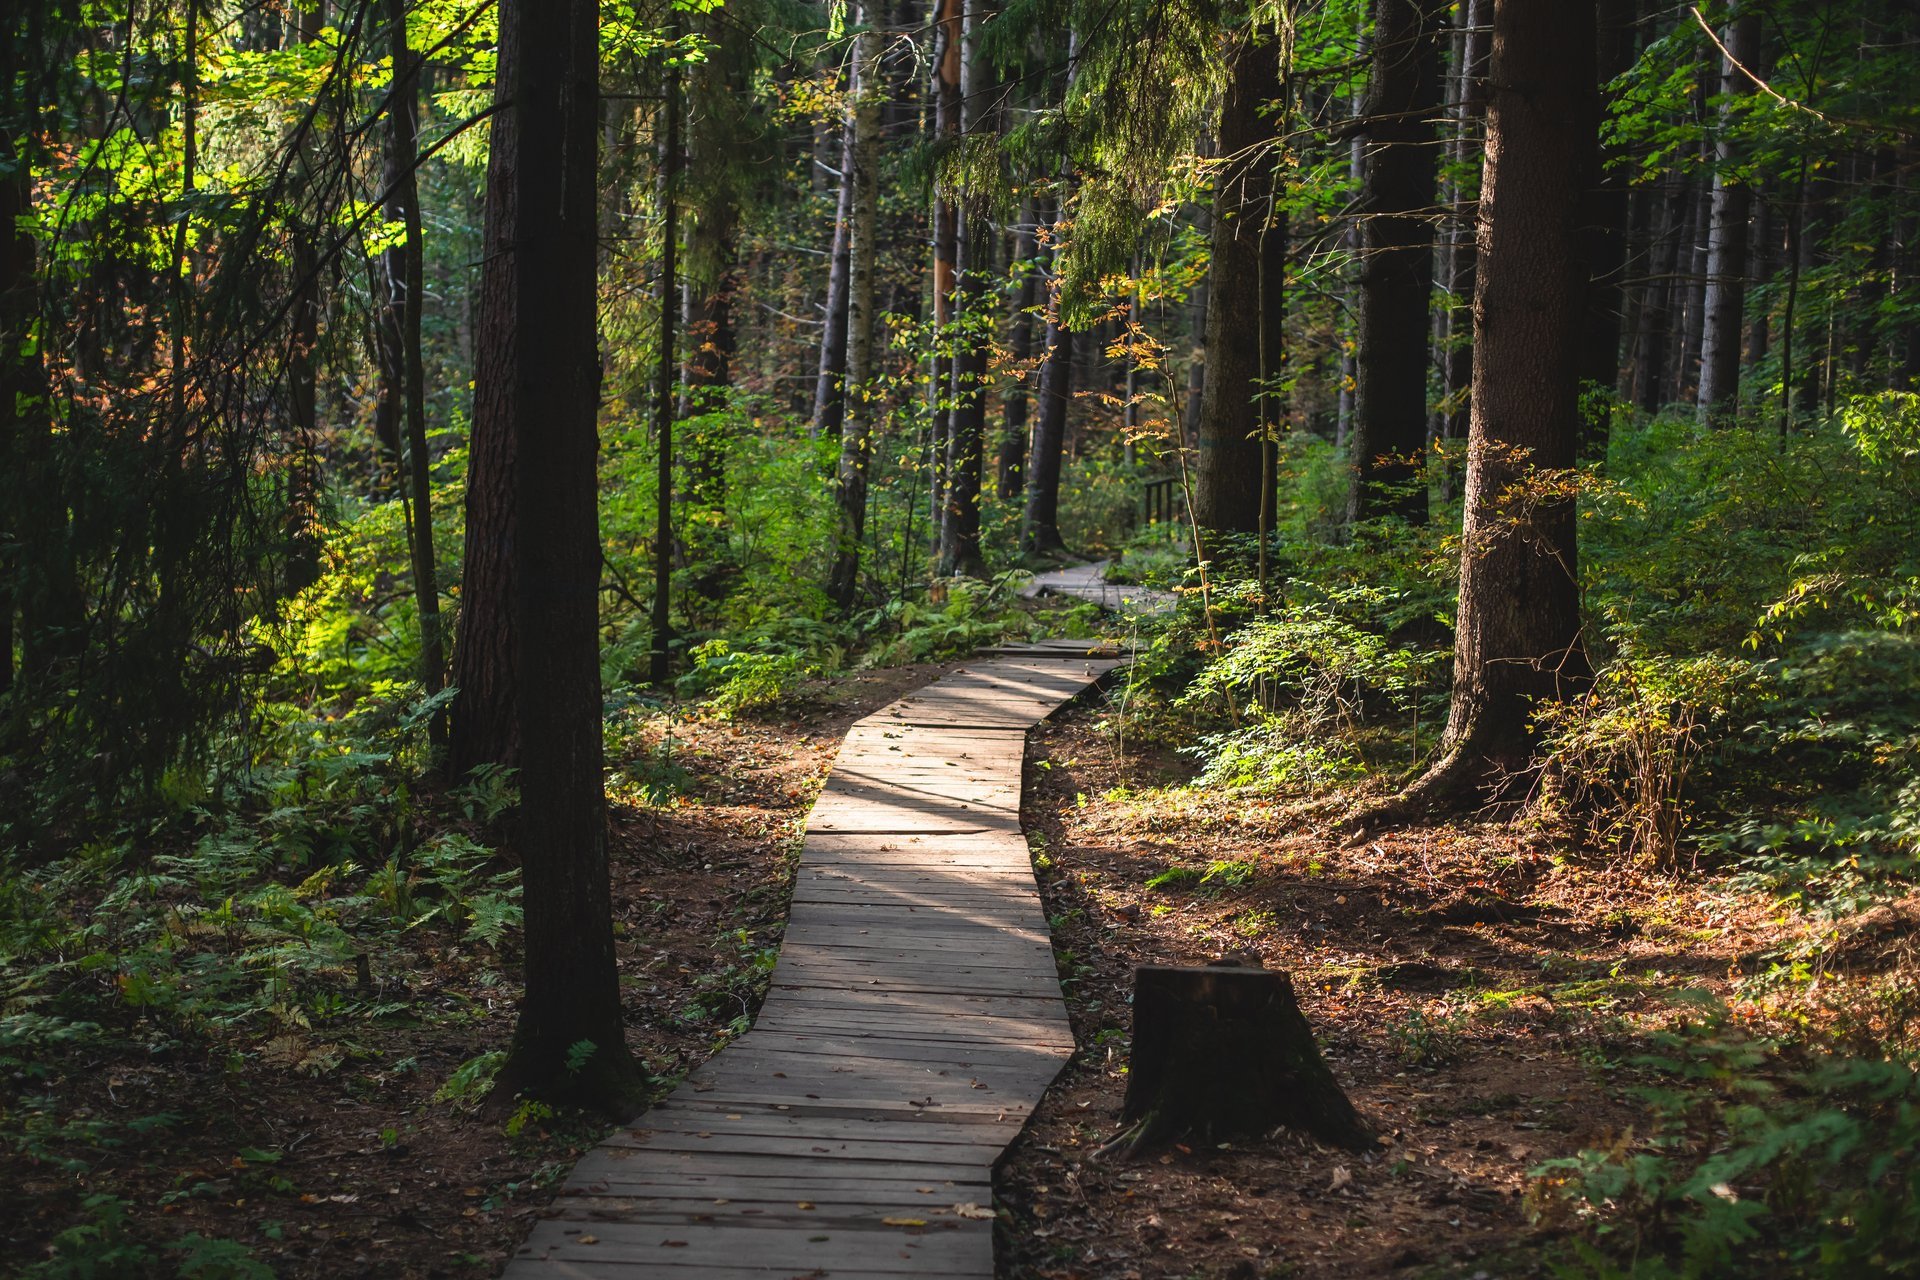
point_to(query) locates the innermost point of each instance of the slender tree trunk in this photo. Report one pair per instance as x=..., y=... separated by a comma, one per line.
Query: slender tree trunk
x=1228, y=479
x=1656, y=327
x=1197, y=304
x=856, y=434
x=966, y=439
x=947, y=54
x=1389, y=430
x=1604, y=235
x=570, y=1041
x=1040, y=532
x=303, y=481
x=1724, y=304
x=404, y=286
x=829, y=394
x=1470, y=113
x=1010, y=464
x=659, y=656
x=1518, y=634
x=1693, y=292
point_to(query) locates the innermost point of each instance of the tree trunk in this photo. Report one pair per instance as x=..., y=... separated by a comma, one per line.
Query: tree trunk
x=1389, y=431
x=1656, y=316
x=665, y=403
x=829, y=393
x=1010, y=464
x=1469, y=115
x=1227, y=483
x=1605, y=235
x=1197, y=305
x=1224, y=1052
x=1517, y=638
x=1693, y=293
x=569, y=1042
x=856, y=433
x=405, y=292
x=946, y=229
x=966, y=439
x=1040, y=530
x=1726, y=290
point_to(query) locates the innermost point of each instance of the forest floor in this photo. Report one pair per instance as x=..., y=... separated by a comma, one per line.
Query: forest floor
x=325, y=1152
x=1473, y=985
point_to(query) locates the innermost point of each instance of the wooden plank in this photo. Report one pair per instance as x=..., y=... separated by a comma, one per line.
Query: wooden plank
x=914, y=1020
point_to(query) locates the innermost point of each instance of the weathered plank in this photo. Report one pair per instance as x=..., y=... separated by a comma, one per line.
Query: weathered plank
x=913, y=1021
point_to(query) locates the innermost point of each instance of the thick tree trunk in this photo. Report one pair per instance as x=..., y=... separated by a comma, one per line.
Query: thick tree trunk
x=485, y=717
x=1724, y=306
x=1388, y=439
x=1693, y=292
x=1224, y=1052
x=1227, y=484
x=1517, y=639
x=966, y=440
x=570, y=1041
x=406, y=294
x=856, y=433
x=1010, y=463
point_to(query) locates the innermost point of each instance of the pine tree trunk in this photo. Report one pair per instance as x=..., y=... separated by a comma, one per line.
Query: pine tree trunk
x=1010, y=463
x=966, y=441
x=946, y=58
x=1518, y=633
x=1228, y=474
x=405, y=284
x=1724, y=303
x=1605, y=234
x=666, y=370
x=856, y=434
x=829, y=393
x=1040, y=531
x=1470, y=114
x=570, y=1041
x=1656, y=319
x=1389, y=431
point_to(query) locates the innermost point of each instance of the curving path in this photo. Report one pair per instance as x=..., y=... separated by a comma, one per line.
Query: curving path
x=914, y=1020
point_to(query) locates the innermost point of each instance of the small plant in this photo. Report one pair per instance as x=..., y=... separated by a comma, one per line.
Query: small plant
x=472, y=1079
x=1423, y=1039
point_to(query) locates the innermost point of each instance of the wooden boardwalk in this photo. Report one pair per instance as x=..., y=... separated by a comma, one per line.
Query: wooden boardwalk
x=914, y=1020
x=1089, y=582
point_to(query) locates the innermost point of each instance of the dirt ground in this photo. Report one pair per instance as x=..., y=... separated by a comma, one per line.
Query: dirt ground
x=354, y=1170
x=1473, y=986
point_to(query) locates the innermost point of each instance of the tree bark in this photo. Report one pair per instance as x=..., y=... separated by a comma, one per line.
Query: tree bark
x=960, y=553
x=569, y=1042
x=1040, y=528
x=1517, y=638
x=1010, y=463
x=1224, y=1052
x=829, y=393
x=665, y=403
x=857, y=431
x=1227, y=483
x=405, y=293
x=1469, y=116
x=1389, y=431
x=1724, y=305
x=1604, y=234
x=946, y=229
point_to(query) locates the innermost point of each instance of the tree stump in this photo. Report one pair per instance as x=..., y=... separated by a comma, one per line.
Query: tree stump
x=1224, y=1052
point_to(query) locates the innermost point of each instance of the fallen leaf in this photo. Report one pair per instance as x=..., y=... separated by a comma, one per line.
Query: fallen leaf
x=903, y=1222
x=1341, y=1177
x=971, y=1210
x=589, y=1239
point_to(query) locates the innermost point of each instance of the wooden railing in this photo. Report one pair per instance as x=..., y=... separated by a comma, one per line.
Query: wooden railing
x=1161, y=500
